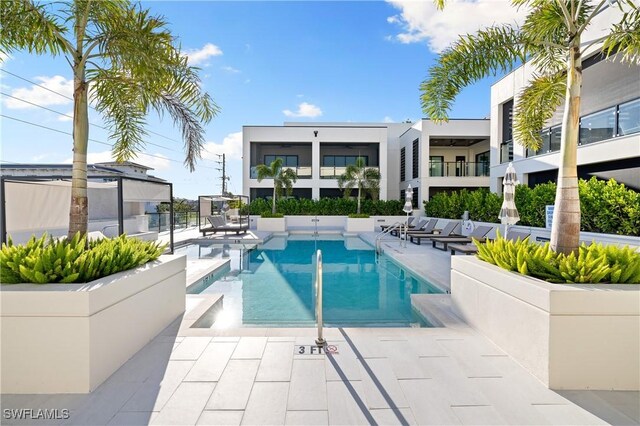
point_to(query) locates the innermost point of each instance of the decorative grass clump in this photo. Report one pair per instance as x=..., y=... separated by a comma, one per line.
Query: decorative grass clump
x=47, y=260
x=269, y=215
x=358, y=216
x=593, y=263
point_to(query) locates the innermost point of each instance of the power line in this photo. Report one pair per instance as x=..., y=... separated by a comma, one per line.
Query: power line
x=92, y=140
x=70, y=116
x=71, y=99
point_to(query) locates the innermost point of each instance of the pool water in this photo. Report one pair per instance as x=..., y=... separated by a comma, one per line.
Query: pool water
x=273, y=285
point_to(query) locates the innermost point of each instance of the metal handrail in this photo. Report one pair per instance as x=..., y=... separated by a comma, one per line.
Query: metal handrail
x=395, y=225
x=320, y=340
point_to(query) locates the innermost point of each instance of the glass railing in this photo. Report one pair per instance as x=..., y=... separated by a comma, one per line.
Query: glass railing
x=303, y=172
x=458, y=169
x=618, y=120
x=333, y=172
x=160, y=221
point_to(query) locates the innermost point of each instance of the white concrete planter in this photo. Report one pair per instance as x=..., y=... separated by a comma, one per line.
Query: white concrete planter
x=271, y=224
x=569, y=336
x=69, y=338
x=359, y=224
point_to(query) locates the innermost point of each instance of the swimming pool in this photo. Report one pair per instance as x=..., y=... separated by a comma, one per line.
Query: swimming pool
x=273, y=285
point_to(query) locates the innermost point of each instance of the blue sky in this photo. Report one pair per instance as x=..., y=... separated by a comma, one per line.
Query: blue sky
x=264, y=63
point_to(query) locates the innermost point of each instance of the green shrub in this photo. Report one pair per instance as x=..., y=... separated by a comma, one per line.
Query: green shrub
x=44, y=261
x=269, y=215
x=606, y=207
x=325, y=207
x=594, y=263
x=358, y=216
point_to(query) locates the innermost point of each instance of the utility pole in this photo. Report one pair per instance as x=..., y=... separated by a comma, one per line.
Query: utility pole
x=224, y=176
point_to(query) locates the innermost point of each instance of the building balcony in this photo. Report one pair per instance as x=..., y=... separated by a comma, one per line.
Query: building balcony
x=303, y=172
x=458, y=169
x=334, y=172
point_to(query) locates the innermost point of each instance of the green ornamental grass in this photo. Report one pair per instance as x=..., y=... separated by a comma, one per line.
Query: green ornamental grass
x=594, y=263
x=47, y=260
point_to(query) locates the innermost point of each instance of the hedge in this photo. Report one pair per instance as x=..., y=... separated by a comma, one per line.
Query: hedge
x=325, y=207
x=606, y=206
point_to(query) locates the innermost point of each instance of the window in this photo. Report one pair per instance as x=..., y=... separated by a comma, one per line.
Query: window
x=482, y=164
x=287, y=160
x=436, y=165
x=415, y=197
x=403, y=193
x=416, y=158
x=506, y=147
x=403, y=175
x=342, y=160
x=555, y=138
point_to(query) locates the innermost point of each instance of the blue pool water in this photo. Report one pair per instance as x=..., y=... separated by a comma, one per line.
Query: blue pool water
x=272, y=285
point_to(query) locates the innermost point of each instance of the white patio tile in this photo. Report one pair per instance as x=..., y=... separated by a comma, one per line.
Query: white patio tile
x=403, y=358
x=234, y=387
x=428, y=404
x=557, y=414
x=276, y=363
x=267, y=404
x=103, y=403
x=307, y=418
x=478, y=415
x=380, y=384
x=220, y=417
x=186, y=404
x=132, y=418
x=347, y=404
x=455, y=386
x=190, y=348
x=212, y=362
x=342, y=366
x=398, y=416
x=308, y=389
x=250, y=348
x=156, y=391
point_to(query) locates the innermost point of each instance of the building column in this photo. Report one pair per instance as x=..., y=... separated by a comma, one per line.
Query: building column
x=315, y=169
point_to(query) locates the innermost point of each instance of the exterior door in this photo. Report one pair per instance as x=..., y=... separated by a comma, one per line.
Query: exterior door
x=461, y=165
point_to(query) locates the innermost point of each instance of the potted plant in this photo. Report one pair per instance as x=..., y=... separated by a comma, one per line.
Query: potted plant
x=72, y=313
x=359, y=223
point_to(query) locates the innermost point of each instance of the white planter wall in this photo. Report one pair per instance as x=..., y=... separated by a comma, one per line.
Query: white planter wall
x=359, y=224
x=569, y=336
x=271, y=224
x=69, y=338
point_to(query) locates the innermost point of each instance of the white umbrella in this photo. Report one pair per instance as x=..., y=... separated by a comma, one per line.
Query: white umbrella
x=508, y=212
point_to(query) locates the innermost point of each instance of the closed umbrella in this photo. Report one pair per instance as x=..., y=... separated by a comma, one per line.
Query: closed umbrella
x=508, y=212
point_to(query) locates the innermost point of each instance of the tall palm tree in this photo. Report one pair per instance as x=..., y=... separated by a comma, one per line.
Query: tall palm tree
x=358, y=175
x=283, y=179
x=126, y=61
x=551, y=38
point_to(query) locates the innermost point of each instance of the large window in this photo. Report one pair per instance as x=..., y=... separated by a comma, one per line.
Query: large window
x=629, y=118
x=342, y=160
x=416, y=157
x=482, y=164
x=287, y=160
x=403, y=158
x=555, y=138
x=506, y=146
x=597, y=127
x=436, y=165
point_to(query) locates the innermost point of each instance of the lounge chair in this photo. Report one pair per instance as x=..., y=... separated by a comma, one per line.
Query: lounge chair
x=219, y=224
x=417, y=237
x=385, y=227
x=400, y=230
x=473, y=249
x=426, y=228
x=478, y=234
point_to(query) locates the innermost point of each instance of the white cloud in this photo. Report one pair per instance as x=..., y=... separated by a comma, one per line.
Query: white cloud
x=199, y=56
x=67, y=117
x=388, y=119
x=304, y=110
x=231, y=70
x=231, y=146
x=41, y=96
x=420, y=21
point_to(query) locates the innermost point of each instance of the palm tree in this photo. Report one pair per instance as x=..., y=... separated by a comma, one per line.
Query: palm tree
x=366, y=179
x=551, y=38
x=126, y=61
x=283, y=179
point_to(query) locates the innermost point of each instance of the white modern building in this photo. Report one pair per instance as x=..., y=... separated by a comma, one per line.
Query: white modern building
x=430, y=157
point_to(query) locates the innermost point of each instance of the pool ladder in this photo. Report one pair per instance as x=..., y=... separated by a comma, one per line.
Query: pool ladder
x=320, y=340
x=380, y=236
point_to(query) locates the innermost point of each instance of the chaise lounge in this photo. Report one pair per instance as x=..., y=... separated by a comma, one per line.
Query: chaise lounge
x=473, y=249
x=218, y=223
x=477, y=234
x=417, y=237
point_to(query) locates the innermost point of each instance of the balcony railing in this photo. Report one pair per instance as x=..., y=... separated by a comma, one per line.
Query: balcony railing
x=458, y=169
x=303, y=172
x=333, y=172
x=618, y=120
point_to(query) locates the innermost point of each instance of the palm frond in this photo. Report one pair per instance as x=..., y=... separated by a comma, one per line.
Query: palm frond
x=538, y=101
x=471, y=58
x=624, y=38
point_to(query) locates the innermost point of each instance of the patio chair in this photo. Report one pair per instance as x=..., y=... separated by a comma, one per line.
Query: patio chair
x=427, y=227
x=473, y=249
x=478, y=234
x=421, y=224
x=219, y=224
x=417, y=237
x=385, y=227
